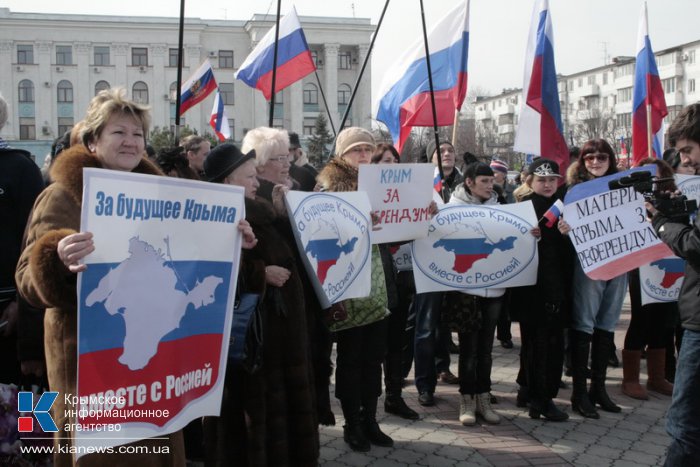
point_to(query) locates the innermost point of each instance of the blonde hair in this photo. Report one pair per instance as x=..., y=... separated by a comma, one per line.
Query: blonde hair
x=525, y=189
x=266, y=141
x=105, y=105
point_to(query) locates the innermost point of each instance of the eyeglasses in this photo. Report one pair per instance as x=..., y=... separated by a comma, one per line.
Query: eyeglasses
x=600, y=157
x=280, y=159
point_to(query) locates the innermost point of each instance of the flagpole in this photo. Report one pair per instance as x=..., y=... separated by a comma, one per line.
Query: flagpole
x=274, y=63
x=454, y=129
x=432, y=102
x=362, y=70
x=647, y=78
x=180, y=54
x=325, y=103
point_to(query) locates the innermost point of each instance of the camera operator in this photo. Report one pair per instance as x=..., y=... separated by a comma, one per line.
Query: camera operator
x=683, y=418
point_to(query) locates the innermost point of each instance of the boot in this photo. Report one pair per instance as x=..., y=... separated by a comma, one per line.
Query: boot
x=656, y=361
x=523, y=398
x=467, y=409
x=580, y=346
x=370, y=426
x=600, y=353
x=397, y=406
x=548, y=410
x=353, y=434
x=483, y=408
x=630, y=375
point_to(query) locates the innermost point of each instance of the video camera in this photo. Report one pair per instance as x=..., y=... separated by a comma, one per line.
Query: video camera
x=644, y=182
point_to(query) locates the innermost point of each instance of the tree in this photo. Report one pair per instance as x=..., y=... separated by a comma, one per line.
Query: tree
x=162, y=137
x=594, y=122
x=319, y=141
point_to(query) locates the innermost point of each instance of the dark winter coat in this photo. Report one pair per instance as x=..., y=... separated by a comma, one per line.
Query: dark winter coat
x=279, y=399
x=45, y=282
x=549, y=297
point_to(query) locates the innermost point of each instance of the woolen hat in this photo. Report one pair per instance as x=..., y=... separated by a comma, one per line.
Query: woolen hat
x=430, y=148
x=294, y=142
x=499, y=165
x=544, y=168
x=351, y=137
x=224, y=159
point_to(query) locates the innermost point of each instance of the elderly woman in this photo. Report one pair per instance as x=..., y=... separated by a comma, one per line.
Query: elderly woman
x=271, y=147
x=113, y=137
x=596, y=303
x=268, y=417
x=272, y=155
x=362, y=337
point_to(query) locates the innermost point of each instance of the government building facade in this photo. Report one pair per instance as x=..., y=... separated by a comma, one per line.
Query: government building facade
x=53, y=64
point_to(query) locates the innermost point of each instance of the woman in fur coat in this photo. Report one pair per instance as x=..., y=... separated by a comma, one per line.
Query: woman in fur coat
x=113, y=138
x=268, y=417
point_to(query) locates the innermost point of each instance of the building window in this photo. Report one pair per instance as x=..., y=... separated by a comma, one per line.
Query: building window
x=310, y=97
x=101, y=55
x=139, y=56
x=64, y=55
x=309, y=126
x=25, y=54
x=64, y=125
x=64, y=92
x=624, y=120
x=570, y=85
x=317, y=62
x=624, y=70
x=344, y=92
x=580, y=82
x=691, y=56
x=605, y=77
x=225, y=58
x=344, y=60
x=139, y=92
x=232, y=128
x=226, y=90
x=172, y=58
x=173, y=91
x=666, y=59
x=101, y=86
x=669, y=85
x=27, y=129
x=26, y=91
x=591, y=79
x=624, y=94
x=691, y=86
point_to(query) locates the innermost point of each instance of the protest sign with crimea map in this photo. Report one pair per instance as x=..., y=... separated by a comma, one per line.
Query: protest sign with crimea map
x=332, y=231
x=155, y=303
x=475, y=247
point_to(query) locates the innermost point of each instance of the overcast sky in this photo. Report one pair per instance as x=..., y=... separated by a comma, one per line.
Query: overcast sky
x=584, y=30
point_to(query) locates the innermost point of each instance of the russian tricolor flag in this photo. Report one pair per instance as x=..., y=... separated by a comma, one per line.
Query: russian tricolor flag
x=405, y=91
x=437, y=181
x=553, y=213
x=540, y=128
x=648, y=96
x=219, y=120
x=197, y=87
x=293, y=58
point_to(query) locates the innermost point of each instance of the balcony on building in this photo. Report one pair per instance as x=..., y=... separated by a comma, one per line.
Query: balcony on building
x=505, y=109
x=482, y=114
x=588, y=90
x=505, y=129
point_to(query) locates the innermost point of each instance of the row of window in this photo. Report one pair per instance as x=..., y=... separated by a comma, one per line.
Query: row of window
x=139, y=92
x=139, y=56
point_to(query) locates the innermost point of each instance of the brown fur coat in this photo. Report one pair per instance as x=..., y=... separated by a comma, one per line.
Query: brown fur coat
x=45, y=282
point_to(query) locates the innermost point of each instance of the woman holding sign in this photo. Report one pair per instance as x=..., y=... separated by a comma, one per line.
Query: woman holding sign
x=362, y=337
x=113, y=138
x=544, y=306
x=596, y=303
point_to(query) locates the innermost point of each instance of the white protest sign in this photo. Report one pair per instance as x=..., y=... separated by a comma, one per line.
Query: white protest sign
x=400, y=194
x=332, y=234
x=661, y=280
x=609, y=228
x=475, y=247
x=155, y=303
x=401, y=257
x=689, y=186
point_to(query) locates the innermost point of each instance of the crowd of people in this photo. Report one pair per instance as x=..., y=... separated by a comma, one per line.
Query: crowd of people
x=271, y=416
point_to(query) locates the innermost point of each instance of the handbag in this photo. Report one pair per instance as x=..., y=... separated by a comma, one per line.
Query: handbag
x=337, y=312
x=461, y=312
x=245, y=348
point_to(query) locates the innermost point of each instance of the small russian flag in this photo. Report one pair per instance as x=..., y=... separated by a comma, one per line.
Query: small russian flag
x=553, y=213
x=219, y=120
x=437, y=181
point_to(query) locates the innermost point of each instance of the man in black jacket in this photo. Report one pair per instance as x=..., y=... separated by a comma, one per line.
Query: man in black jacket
x=20, y=184
x=683, y=418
